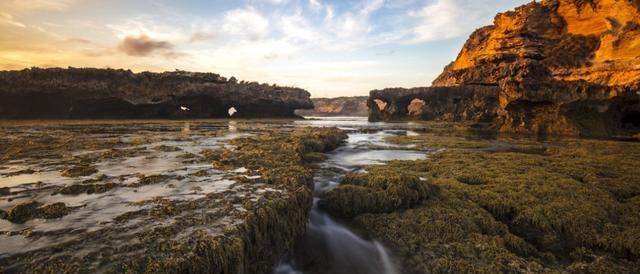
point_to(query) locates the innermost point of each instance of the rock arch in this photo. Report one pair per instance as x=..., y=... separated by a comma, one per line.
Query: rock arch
x=382, y=105
x=416, y=107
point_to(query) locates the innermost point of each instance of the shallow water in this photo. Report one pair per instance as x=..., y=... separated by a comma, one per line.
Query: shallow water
x=123, y=153
x=343, y=251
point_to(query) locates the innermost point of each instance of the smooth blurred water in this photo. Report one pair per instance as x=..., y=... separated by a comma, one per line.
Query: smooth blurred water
x=343, y=251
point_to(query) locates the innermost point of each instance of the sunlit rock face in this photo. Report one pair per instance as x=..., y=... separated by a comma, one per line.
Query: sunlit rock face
x=340, y=106
x=560, y=67
x=107, y=93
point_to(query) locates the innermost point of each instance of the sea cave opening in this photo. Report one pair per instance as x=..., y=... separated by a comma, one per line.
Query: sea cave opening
x=416, y=106
x=631, y=120
x=381, y=104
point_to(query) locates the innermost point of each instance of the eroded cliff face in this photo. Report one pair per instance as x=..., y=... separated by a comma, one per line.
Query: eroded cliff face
x=107, y=93
x=340, y=106
x=568, y=67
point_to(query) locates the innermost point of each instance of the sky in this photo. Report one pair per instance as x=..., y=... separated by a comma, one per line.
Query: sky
x=329, y=47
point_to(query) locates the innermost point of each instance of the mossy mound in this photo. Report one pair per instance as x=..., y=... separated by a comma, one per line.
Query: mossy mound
x=76, y=189
x=166, y=148
x=78, y=171
x=375, y=192
x=5, y=191
x=565, y=205
x=31, y=210
x=279, y=157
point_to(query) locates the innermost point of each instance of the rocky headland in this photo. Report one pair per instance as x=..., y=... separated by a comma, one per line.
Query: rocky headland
x=566, y=67
x=340, y=106
x=106, y=93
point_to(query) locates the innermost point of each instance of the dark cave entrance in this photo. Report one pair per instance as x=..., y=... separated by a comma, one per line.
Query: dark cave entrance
x=631, y=120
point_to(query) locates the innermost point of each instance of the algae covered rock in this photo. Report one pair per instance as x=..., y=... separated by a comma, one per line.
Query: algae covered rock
x=31, y=210
x=23, y=212
x=571, y=207
x=375, y=193
x=78, y=171
x=237, y=208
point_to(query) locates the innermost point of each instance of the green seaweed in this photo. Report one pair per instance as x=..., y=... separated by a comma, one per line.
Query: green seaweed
x=510, y=205
x=375, y=192
x=30, y=210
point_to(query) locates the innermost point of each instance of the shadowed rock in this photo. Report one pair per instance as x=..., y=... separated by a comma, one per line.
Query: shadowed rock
x=340, y=106
x=108, y=93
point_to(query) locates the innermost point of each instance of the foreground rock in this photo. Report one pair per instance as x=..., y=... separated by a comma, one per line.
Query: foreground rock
x=556, y=66
x=150, y=210
x=340, y=106
x=501, y=206
x=107, y=93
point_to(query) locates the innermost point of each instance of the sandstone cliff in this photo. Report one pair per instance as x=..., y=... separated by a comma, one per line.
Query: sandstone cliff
x=568, y=67
x=340, y=106
x=108, y=93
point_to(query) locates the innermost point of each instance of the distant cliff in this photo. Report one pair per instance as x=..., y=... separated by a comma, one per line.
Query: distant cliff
x=568, y=67
x=108, y=93
x=341, y=106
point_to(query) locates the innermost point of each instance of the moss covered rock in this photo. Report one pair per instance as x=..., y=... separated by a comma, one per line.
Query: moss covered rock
x=245, y=227
x=375, y=192
x=82, y=170
x=565, y=205
x=31, y=210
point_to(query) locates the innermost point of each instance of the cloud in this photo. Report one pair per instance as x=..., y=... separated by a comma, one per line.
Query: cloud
x=315, y=4
x=144, y=46
x=246, y=22
x=444, y=19
x=152, y=27
x=199, y=36
x=22, y=6
x=371, y=6
x=276, y=2
x=296, y=28
x=439, y=20
x=8, y=19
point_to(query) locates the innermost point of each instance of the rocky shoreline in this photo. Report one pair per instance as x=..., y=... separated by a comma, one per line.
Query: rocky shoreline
x=84, y=93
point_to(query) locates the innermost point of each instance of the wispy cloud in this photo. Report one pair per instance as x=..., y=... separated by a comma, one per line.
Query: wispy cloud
x=143, y=46
x=8, y=19
x=246, y=22
x=22, y=6
x=445, y=19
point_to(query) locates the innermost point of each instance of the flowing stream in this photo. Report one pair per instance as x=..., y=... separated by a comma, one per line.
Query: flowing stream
x=330, y=246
